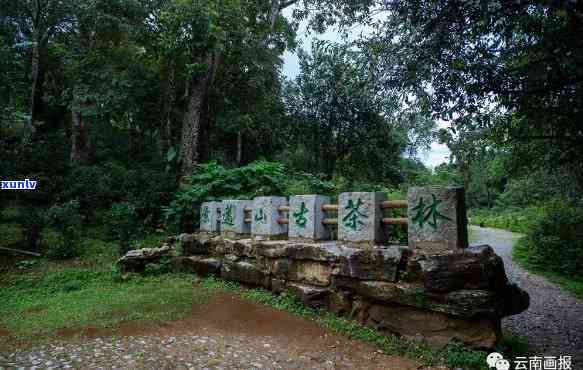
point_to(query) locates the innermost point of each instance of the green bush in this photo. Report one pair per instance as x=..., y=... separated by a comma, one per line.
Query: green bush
x=32, y=220
x=98, y=187
x=555, y=241
x=122, y=224
x=66, y=220
x=518, y=220
x=213, y=181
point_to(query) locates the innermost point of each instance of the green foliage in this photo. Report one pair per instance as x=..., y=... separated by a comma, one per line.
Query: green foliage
x=12, y=235
x=164, y=266
x=213, y=181
x=147, y=188
x=32, y=219
x=518, y=220
x=523, y=255
x=123, y=225
x=511, y=69
x=66, y=220
x=555, y=241
x=341, y=125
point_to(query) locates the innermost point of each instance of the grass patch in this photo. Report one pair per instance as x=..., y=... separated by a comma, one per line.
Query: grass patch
x=518, y=220
x=454, y=355
x=39, y=304
x=522, y=255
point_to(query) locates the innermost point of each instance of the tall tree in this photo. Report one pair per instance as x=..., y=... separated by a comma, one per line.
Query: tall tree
x=513, y=68
x=345, y=123
x=38, y=21
x=207, y=30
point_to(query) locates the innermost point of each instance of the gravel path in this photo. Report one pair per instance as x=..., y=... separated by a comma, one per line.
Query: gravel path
x=195, y=352
x=226, y=333
x=553, y=324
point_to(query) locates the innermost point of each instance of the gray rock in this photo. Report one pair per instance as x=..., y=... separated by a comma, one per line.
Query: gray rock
x=464, y=303
x=239, y=247
x=369, y=264
x=137, y=259
x=310, y=295
x=202, y=266
x=473, y=268
x=244, y=272
x=435, y=329
x=197, y=244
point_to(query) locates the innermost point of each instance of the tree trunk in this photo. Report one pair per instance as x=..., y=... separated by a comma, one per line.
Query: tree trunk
x=195, y=123
x=239, y=148
x=166, y=121
x=34, y=90
x=81, y=148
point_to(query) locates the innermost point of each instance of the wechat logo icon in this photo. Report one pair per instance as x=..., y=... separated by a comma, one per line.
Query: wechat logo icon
x=496, y=361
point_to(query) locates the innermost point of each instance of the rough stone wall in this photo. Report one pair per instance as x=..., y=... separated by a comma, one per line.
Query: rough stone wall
x=460, y=295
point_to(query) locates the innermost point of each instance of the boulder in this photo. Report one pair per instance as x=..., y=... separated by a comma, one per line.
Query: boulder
x=369, y=264
x=277, y=285
x=202, y=266
x=339, y=302
x=306, y=271
x=301, y=250
x=310, y=272
x=514, y=300
x=473, y=268
x=435, y=329
x=467, y=303
x=310, y=295
x=197, y=244
x=137, y=259
x=244, y=272
x=239, y=247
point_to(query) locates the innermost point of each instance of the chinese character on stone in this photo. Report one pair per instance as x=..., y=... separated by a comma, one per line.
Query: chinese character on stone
x=228, y=216
x=437, y=218
x=265, y=223
x=204, y=216
x=260, y=217
x=300, y=216
x=354, y=217
x=428, y=213
x=306, y=215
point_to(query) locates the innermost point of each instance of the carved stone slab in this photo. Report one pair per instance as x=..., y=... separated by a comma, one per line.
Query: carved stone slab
x=264, y=224
x=359, y=217
x=210, y=217
x=233, y=217
x=305, y=217
x=437, y=218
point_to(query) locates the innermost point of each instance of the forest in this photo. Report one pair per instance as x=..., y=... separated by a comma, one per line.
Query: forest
x=130, y=113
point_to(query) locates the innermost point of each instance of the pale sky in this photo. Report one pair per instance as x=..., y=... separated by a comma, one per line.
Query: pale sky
x=438, y=153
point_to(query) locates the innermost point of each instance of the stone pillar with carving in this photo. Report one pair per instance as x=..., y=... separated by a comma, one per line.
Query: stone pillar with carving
x=233, y=222
x=306, y=216
x=210, y=220
x=437, y=219
x=359, y=218
x=265, y=223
